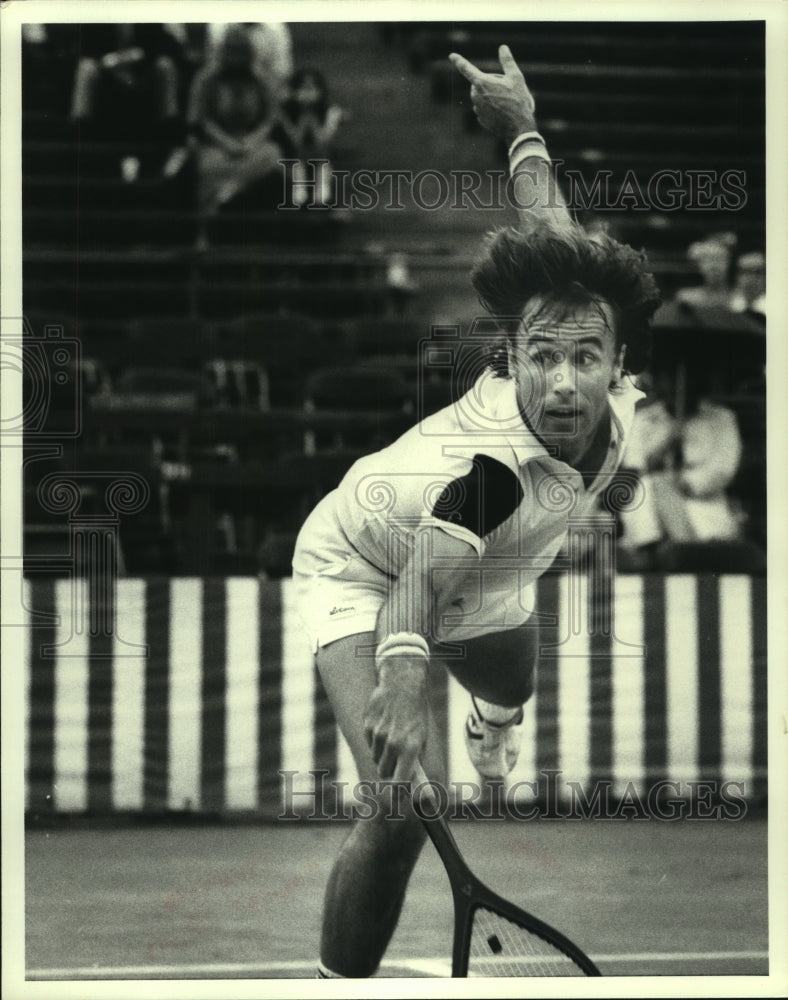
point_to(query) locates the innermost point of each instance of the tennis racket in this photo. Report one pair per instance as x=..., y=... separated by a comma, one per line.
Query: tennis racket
x=493, y=937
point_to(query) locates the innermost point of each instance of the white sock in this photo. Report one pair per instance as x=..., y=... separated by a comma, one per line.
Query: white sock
x=497, y=714
x=323, y=972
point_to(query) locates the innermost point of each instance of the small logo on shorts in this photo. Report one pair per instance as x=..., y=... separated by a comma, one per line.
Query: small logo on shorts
x=339, y=611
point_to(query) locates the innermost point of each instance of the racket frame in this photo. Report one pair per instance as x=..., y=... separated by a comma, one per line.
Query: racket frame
x=470, y=893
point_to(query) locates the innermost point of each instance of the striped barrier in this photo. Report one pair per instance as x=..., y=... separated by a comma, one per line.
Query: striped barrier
x=207, y=692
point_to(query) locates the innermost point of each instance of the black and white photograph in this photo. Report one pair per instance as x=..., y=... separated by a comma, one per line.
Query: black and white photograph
x=393, y=560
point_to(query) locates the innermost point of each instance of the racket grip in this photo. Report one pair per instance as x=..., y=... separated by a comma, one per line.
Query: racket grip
x=419, y=774
x=420, y=778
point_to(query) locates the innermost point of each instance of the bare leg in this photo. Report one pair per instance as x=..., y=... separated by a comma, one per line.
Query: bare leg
x=367, y=884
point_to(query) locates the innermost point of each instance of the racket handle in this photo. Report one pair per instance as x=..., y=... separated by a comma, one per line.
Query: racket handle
x=420, y=778
x=419, y=774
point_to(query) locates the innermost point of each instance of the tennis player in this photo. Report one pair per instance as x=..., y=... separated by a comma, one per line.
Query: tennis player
x=438, y=538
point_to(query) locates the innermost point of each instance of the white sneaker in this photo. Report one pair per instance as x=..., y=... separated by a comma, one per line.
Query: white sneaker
x=493, y=747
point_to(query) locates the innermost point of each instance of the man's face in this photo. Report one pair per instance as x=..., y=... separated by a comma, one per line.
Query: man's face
x=751, y=282
x=563, y=363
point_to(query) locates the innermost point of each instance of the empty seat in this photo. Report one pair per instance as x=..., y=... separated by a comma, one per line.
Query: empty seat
x=297, y=481
x=356, y=390
x=371, y=335
x=242, y=384
x=285, y=347
x=172, y=341
x=162, y=388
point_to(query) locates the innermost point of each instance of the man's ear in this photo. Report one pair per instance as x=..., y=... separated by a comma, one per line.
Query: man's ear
x=618, y=372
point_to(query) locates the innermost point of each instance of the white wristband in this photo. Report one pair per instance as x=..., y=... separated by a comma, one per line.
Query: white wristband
x=399, y=651
x=528, y=151
x=526, y=137
x=402, y=644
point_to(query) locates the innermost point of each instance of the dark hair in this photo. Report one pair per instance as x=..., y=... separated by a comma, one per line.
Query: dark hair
x=235, y=39
x=568, y=265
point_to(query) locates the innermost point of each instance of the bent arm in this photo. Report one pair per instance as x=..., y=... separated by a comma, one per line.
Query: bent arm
x=505, y=106
x=538, y=197
x=424, y=583
x=201, y=124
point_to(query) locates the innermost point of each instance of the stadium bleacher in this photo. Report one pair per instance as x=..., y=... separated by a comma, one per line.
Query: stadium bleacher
x=292, y=294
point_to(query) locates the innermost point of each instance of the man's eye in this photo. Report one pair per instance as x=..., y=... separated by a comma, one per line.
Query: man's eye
x=587, y=357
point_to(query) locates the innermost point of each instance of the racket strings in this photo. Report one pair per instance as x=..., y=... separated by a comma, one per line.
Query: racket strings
x=500, y=947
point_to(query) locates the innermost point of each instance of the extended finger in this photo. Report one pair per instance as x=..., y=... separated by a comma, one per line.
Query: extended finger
x=375, y=738
x=468, y=70
x=406, y=765
x=508, y=63
x=387, y=762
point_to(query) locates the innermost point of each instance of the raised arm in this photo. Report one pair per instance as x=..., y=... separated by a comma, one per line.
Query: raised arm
x=505, y=106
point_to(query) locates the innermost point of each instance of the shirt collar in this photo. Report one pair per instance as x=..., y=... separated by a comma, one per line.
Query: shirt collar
x=504, y=411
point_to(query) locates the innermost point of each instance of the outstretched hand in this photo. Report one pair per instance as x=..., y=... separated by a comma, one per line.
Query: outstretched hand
x=502, y=101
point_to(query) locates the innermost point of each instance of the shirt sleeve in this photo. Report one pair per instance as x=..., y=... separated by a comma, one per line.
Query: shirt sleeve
x=473, y=505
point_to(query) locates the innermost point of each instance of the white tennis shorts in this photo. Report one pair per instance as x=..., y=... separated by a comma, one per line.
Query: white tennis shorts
x=339, y=593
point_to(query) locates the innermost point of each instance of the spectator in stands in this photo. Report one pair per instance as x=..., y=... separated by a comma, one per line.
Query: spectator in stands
x=712, y=257
x=272, y=47
x=308, y=117
x=749, y=292
x=232, y=112
x=685, y=467
x=126, y=84
x=36, y=58
x=310, y=123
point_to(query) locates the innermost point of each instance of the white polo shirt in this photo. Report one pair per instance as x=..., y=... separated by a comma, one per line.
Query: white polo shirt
x=475, y=471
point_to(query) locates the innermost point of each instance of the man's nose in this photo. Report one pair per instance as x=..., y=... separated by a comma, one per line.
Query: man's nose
x=562, y=376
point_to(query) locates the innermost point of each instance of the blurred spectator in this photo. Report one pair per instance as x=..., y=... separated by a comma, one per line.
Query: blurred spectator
x=272, y=47
x=309, y=119
x=126, y=84
x=232, y=112
x=749, y=292
x=35, y=59
x=685, y=467
x=712, y=257
x=309, y=123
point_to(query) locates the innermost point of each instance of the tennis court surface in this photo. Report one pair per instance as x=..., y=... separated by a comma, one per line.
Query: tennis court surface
x=227, y=901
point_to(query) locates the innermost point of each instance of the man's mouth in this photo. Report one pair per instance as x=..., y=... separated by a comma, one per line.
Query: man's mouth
x=561, y=412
